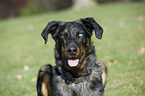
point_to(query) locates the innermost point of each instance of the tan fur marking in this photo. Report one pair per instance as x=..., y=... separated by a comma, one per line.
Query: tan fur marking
x=44, y=89
x=83, y=51
x=104, y=78
x=104, y=73
x=65, y=31
x=63, y=51
x=78, y=31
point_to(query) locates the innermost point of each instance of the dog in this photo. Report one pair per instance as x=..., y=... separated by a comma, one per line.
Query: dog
x=77, y=71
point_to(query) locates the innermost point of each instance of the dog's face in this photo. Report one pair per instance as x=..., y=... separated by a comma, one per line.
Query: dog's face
x=73, y=40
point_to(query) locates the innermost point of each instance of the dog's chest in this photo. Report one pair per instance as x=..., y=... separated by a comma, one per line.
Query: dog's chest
x=80, y=87
x=77, y=89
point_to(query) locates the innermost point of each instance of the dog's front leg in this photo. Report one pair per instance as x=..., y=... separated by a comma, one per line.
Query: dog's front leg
x=44, y=87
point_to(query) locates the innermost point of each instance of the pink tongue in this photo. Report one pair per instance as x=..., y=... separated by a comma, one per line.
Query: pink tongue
x=73, y=63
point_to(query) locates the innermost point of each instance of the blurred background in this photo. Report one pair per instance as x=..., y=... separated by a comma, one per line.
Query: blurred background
x=23, y=52
x=15, y=8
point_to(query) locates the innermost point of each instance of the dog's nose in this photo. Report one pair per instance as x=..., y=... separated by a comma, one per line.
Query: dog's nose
x=72, y=50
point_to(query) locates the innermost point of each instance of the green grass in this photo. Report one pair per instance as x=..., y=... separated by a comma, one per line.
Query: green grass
x=123, y=38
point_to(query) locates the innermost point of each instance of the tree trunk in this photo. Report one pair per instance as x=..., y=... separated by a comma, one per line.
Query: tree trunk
x=83, y=3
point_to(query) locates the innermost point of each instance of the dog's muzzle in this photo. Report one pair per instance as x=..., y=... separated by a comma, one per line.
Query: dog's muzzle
x=72, y=55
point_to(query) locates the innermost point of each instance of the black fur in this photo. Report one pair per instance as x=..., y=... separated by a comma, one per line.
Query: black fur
x=73, y=42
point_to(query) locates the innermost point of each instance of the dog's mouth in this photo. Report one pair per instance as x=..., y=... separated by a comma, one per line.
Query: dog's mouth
x=73, y=63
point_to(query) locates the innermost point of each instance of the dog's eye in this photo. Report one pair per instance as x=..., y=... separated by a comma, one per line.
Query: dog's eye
x=62, y=36
x=80, y=35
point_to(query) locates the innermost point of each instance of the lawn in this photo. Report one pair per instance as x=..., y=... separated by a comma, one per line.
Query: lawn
x=122, y=49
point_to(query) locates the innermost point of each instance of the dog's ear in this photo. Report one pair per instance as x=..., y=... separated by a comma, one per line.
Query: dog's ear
x=51, y=27
x=90, y=25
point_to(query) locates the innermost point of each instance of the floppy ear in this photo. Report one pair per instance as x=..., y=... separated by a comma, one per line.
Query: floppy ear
x=51, y=27
x=90, y=25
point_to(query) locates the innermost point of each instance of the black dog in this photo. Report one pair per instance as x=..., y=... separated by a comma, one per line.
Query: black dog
x=77, y=72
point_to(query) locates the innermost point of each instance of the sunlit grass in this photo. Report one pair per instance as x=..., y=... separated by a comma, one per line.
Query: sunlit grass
x=120, y=49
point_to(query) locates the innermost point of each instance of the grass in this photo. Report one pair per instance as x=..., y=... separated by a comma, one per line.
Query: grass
x=121, y=49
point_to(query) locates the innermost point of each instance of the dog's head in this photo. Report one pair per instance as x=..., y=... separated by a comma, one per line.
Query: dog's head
x=73, y=40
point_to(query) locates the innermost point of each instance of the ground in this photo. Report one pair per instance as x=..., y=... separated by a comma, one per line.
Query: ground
x=122, y=48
